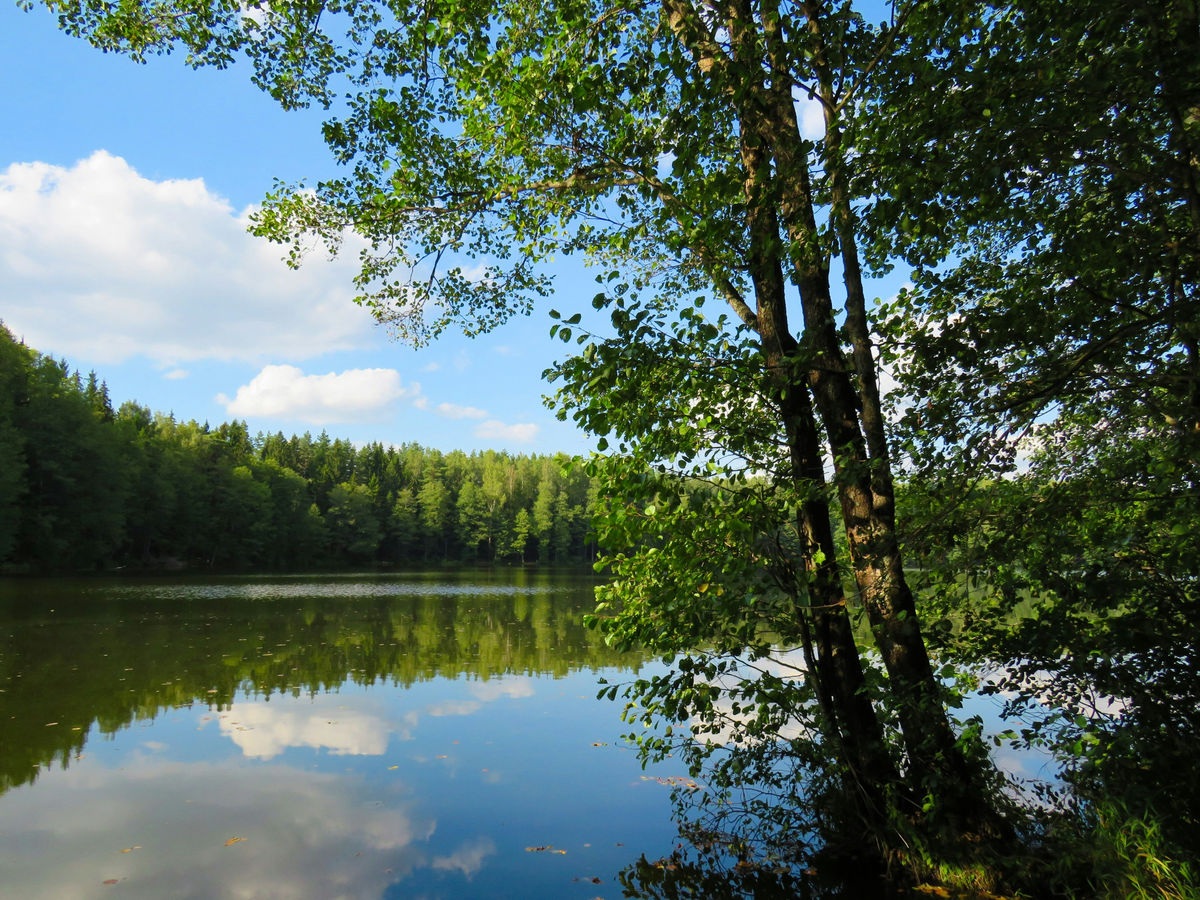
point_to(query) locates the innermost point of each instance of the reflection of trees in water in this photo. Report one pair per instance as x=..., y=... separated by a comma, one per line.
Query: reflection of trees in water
x=768, y=844
x=683, y=875
x=72, y=655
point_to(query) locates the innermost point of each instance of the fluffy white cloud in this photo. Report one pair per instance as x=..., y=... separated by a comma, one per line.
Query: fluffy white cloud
x=497, y=431
x=101, y=263
x=285, y=392
x=453, y=411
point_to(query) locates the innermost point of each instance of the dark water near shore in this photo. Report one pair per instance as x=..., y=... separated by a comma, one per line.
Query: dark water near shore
x=354, y=736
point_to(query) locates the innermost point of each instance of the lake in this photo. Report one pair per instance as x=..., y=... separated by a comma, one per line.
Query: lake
x=428, y=735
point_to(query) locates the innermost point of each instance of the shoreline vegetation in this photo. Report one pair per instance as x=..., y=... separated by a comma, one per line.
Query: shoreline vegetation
x=85, y=487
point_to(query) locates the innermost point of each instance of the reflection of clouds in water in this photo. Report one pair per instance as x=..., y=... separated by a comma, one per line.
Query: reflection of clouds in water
x=264, y=730
x=454, y=708
x=496, y=688
x=342, y=727
x=468, y=858
x=484, y=692
x=1041, y=686
x=306, y=834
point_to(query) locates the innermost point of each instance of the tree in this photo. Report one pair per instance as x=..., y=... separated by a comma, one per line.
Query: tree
x=472, y=519
x=434, y=501
x=72, y=507
x=15, y=361
x=404, y=524
x=1048, y=358
x=521, y=530
x=354, y=529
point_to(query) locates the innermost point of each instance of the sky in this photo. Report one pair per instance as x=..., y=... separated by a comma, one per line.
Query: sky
x=124, y=195
x=124, y=191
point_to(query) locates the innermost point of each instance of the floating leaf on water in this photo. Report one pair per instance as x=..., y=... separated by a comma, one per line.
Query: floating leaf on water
x=673, y=781
x=48, y=724
x=390, y=768
x=111, y=880
x=131, y=849
x=234, y=840
x=544, y=848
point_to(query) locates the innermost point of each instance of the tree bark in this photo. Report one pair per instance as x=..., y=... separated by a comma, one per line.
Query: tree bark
x=839, y=662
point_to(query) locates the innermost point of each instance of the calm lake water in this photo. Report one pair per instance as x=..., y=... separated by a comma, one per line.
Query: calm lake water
x=278, y=737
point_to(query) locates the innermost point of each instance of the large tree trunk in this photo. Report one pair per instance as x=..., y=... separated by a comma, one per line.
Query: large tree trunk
x=840, y=671
x=862, y=464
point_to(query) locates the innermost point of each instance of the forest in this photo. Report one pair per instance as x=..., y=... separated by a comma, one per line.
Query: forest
x=84, y=487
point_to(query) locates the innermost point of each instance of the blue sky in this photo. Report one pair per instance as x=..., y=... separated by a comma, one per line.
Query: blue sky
x=123, y=190
x=123, y=195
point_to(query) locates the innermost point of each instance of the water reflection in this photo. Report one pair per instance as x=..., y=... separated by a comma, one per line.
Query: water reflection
x=120, y=653
x=304, y=834
x=322, y=738
x=308, y=739
x=263, y=730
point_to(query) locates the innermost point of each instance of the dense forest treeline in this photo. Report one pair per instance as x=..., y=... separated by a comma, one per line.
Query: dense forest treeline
x=84, y=486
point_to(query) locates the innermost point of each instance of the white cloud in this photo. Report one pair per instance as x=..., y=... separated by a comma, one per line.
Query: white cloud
x=518, y=434
x=515, y=688
x=176, y=374
x=285, y=392
x=811, y=114
x=101, y=264
x=453, y=411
